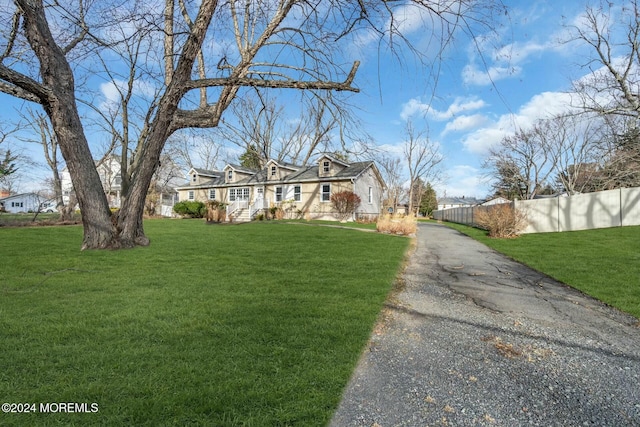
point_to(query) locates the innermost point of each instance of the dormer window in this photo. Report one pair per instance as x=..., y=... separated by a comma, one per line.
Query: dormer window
x=326, y=166
x=230, y=175
x=194, y=177
x=273, y=170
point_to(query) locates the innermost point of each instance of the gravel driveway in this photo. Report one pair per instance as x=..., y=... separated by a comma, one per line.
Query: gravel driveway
x=475, y=339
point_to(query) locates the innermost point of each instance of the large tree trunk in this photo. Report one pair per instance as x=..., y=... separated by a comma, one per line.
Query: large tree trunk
x=57, y=96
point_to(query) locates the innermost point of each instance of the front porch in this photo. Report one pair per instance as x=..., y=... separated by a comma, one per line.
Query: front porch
x=244, y=206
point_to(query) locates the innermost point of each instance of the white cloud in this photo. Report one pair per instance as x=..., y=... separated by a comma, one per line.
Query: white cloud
x=464, y=123
x=472, y=75
x=540, y=106
x=460, y=105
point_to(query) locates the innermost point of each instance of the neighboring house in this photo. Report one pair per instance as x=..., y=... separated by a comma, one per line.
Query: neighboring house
x=496, y=201
x=26, y=202
x=456, y=202
x=300, y=190
x=109, y=172
x=111, y=178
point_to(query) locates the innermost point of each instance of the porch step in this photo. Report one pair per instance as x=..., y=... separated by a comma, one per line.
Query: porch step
x=241, y=215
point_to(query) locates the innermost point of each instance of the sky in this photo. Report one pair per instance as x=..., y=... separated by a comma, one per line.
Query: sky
x=524, y=74
x=482, y=90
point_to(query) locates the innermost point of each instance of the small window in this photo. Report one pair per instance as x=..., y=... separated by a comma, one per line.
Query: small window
x=297, y=193
x=370, y=194
x=273, y=170
x=278, y=194
x=326, y=192
x=194, y=177
x=212, y=194
x=230, y=175
x=192, y=195
x=325, y=166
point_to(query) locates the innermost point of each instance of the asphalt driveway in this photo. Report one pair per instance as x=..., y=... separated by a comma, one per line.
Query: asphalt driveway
x=475, y=339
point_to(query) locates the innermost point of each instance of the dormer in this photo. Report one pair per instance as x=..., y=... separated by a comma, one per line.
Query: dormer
x=235, y=173
x=277, y=171
x=330, y=166
x=198, y=176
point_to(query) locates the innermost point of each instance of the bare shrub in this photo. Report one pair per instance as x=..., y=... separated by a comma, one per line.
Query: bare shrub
x=405, y=225
x=345, y=203
x=501, y=221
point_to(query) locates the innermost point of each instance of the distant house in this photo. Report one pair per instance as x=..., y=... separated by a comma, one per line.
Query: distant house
x=495, y=201
x=111, y=178
x=300, y=190
x=456, y=202
x=26, y=202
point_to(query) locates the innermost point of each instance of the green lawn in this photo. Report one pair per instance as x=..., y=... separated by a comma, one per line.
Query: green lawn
x=256, y=325
x=603, y=263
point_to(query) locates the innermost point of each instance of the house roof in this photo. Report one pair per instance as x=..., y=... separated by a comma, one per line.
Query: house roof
x=285, y=165
x=458, y=201
x=239, y=168
x=207, y=172
x=300, y=174
x=17, y=196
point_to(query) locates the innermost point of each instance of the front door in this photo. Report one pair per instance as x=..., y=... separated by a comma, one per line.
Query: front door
x=259, y=197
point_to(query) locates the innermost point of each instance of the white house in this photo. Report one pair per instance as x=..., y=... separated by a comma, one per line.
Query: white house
x=111, y=178
x=456, y=202
x=26, y=202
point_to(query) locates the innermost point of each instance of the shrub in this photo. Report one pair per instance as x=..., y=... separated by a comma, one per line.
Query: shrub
x=405, y=225
x=345, y=203
x=501, y=221
x=190, y=209
x=216, y=211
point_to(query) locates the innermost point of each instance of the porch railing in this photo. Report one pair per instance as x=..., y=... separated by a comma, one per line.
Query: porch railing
x=256, y=207
x=237, y=205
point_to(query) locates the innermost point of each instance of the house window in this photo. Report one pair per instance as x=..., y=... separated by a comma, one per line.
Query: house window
x=238, y=194
x=212, y=194
x=278, y=194
x=325, y=167
x=273, y=171
x=297, y=193
x=326, y=192
x=194, y=177
x=370, y=194
x=192, y=195
x=230, y=175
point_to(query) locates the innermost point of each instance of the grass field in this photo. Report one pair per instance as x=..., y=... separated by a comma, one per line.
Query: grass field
x=256, y=325
x=603, y=263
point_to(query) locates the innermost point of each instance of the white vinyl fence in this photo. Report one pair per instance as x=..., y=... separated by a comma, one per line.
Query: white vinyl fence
x=612, y=208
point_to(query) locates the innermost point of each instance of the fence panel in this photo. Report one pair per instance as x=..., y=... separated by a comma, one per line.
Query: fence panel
x=630, y=199
x=603, y=209
x=590, y=210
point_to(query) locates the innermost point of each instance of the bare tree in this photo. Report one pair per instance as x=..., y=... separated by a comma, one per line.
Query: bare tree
x=521, y=164
x=288, y=44
x=572, y=140
x=423, y=158
x=391, y=169
x=611, y=30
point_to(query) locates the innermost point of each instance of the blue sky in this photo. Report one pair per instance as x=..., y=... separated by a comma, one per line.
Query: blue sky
x=526, y=74
x=523, y=74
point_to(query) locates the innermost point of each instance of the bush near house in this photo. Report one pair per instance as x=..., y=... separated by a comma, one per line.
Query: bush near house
x=216, y=211
x=393, y=224
x=345, y=203
x=501, y=221
x=190, y=209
